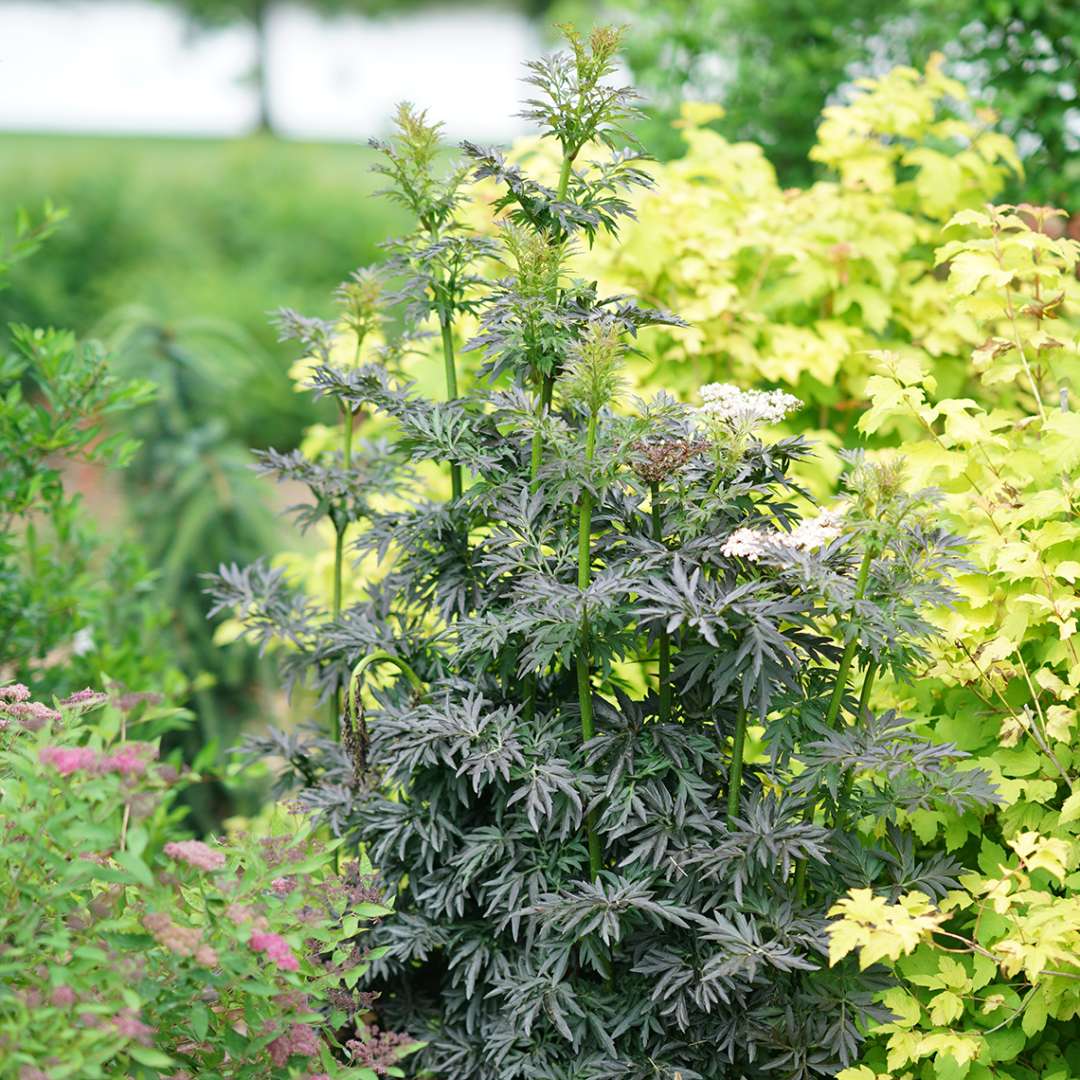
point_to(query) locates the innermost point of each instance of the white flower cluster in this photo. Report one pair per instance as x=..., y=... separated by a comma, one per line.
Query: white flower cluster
x=745, y=408
x=808, y=535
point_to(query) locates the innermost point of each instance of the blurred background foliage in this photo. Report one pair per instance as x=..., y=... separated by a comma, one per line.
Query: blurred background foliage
x=775, y=64
x=175, y=249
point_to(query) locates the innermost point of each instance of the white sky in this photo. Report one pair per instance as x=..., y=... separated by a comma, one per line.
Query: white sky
x=134, y=66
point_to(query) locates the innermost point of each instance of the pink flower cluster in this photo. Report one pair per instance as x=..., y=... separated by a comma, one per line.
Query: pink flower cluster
x=68, y=759
x=129, y=1026
x=180, y=940
x=129, y=760
x=85, y=699
x=299, y=1039
x=195, y=853
x=63, y=996
x=276, y=948
x=32, y=715
x=14, y=692
x=380, y=1051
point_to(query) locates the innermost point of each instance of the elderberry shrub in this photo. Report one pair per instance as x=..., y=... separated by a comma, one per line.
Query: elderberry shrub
x=619, y=759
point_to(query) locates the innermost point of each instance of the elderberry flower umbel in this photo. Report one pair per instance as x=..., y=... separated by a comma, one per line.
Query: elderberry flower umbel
x=809, y=535
x=745, y=409
x=195, y=853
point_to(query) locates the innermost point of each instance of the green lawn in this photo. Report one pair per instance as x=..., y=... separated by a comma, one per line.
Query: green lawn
x=227, y=229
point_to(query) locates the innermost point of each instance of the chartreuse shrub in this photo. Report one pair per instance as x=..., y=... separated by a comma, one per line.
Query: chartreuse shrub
x=793, y=286
x=126, y=950
x=991, y=973
x=594, y=717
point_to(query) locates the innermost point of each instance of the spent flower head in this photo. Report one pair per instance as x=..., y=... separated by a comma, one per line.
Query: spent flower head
x=655, y=460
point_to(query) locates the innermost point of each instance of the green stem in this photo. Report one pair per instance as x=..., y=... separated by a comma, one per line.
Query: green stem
x=339, y=552
x=833, y=711
x=564, y=177
x=451, y=391
x=867, y=688
x=584, y=659
x=381, y=656
x=547, y=388
x=664, y=666
x=849, y=649
x=738, y=749
x=585, y=513
x=848, y=784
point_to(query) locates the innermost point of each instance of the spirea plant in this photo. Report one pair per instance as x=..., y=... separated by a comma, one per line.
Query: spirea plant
x=601, y=717
x=126, y=950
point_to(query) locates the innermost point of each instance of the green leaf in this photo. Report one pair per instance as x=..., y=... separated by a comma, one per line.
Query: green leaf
x=146, y=1055
x=1070, y=809
x=200, y=1020
x=135, y=867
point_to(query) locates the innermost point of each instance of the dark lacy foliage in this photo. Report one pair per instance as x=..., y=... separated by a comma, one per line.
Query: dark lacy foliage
x=697, y=948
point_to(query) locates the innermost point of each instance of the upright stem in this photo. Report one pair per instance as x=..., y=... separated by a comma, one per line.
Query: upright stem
x=867, y=687
x=848, y=784
x=547, y=384
x=340, y=525
x=451, y=390
x=849, y=649
x=833, y=711
x=664, y=666
x=564, y=176
x=738, y=749
x=547, y=388
x=585, y=513
x=583, y=656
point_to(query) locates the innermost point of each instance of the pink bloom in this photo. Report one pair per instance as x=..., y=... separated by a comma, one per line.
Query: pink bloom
x=282, y=886
x=206, y=956
x=68, y=759
x=63, y=996
x=14, y=692
x=181, y=940
x=129, y=760
x=195, y=853
x=129, y=701
x=276, y=948
x=299, y=1039
x=129, y=1026
x=86, y=699
x=31, y=714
